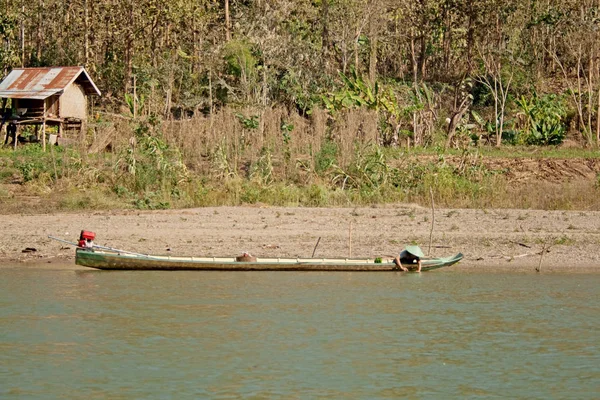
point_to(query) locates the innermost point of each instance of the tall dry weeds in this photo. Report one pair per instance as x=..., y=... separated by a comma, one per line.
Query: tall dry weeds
x=277, y=156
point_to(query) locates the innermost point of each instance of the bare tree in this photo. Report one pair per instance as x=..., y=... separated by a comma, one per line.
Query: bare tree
x=583, y=52
x=498, y=80
x=462, y=102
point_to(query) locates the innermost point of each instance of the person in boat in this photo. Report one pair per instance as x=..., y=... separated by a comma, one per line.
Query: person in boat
x=410, y=256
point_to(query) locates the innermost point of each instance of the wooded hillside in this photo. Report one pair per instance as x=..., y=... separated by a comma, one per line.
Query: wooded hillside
x=521, y=67
x=322, y=102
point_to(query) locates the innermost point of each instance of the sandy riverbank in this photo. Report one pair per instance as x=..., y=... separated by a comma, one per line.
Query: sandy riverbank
x=489, y=239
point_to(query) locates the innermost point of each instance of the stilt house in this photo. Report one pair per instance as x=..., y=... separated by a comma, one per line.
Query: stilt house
x=49, y=96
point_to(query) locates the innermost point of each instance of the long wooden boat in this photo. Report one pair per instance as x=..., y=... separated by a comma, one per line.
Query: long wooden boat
x=119, y=260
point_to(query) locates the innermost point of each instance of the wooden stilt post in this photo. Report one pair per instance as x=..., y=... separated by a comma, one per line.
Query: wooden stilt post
x=82, y=132
x=44, y=134
x=3, y=117
x=44, y=127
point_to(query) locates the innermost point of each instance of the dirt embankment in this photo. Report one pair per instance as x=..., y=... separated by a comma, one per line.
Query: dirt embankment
x=525, y=170
x=489, y=239
x=546, y=169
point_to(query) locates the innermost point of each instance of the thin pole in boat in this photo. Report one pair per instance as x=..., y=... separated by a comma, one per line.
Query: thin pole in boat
x=120, y=251
x=96, y=246
x=315, y=249
x=63, y=241
x=350, y=240
x=432, y=220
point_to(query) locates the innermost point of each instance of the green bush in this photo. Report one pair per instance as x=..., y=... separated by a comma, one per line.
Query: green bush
x=151, y=165
x=326, y=157
x=544, y=119
x=240, y=58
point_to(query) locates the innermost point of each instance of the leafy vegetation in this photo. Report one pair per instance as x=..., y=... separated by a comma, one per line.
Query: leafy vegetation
x=544, y=119
x=310, y=103
x=195, y=57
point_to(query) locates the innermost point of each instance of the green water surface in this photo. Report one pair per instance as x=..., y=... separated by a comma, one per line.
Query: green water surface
x=67, y=334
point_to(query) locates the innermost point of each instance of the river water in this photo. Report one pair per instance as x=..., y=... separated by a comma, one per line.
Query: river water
x=74, y=334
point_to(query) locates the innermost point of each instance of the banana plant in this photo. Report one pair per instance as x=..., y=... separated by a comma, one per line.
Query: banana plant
x=135, y=104
x=356, y=94
x=544, y=119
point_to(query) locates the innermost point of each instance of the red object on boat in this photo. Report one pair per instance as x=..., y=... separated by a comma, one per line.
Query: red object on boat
x=87, y=235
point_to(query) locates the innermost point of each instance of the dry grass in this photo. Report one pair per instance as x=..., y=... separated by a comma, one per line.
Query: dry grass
x=576, y=195
x=282, y=159
x=201, y=138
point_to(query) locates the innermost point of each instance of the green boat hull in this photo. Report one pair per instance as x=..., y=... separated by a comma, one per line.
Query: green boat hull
x=108, y=260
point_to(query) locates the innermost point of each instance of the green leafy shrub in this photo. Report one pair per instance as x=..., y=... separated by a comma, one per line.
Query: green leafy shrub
x=150, y=201
x=149, y=166
x=368, y=168
x=544, y=119
x=249, y=123
x=326, y=157
x=261, y=171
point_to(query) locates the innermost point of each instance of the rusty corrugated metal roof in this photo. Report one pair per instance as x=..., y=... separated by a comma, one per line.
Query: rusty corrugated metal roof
x=41, y=83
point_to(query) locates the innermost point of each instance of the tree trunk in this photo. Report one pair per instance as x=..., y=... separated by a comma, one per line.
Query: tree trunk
x=598, y=120
x=422, y=56
x=373, y=53
x=414, y=61
x=590, y=95
x=40, y=35
x=447, y=42
x=86, y=33
x=497, y=124
x=227, y=22
x=470, y=38
x=22, y=33
x=356, y=51
x=325, y=27
x=129, y=49
x=210, y=93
